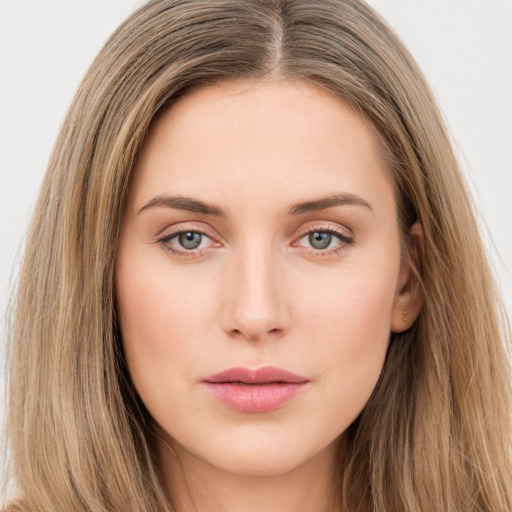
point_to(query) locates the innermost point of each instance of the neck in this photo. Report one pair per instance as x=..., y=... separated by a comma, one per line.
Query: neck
x=197, y=486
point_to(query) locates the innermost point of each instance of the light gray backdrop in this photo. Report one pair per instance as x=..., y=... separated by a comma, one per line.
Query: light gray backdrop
x=463, y=46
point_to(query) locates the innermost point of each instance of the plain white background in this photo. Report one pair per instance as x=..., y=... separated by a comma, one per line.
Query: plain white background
x=463, y=46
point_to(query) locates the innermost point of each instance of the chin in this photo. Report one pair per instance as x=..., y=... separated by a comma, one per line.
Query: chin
x=265, y=456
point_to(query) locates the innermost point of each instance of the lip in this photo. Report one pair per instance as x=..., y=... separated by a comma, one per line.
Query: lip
x=260, y=390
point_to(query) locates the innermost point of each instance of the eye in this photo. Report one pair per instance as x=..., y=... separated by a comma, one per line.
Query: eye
x=186, y=243
x=325, y=240
x=320, y=239
x=189, y=239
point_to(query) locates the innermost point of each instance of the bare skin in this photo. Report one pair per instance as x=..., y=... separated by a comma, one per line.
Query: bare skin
x=263, y=275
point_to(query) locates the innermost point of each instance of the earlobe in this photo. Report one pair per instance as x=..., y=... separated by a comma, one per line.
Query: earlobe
x=409, y=293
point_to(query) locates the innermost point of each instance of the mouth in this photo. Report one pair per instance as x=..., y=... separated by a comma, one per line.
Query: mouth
x=253, y=391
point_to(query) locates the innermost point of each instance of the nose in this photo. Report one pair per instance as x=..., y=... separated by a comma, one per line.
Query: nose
x=254, y=306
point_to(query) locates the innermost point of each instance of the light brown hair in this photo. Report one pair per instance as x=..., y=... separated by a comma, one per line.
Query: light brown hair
x=435, y=435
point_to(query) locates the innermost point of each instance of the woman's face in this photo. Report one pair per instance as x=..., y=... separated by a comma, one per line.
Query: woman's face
x=260, y=232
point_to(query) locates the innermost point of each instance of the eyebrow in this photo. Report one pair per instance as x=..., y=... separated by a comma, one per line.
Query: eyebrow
x=193, y=205
x=188, y=204
x=328, y=202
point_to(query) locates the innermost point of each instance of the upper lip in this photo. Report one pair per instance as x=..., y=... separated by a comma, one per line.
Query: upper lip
x=264, y=375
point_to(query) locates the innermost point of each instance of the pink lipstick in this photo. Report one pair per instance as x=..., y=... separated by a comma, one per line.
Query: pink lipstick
x=261, y=390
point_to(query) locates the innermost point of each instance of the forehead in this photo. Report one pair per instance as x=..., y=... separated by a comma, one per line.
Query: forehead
x=261, y=142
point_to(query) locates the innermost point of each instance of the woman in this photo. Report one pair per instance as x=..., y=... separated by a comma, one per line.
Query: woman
x=254, y=280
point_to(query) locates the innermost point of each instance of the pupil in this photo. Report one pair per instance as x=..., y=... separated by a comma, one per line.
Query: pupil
x=320, y=240
x=190, y=240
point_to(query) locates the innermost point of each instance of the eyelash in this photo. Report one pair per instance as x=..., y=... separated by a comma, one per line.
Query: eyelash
x=342, y=237
x=196, y=253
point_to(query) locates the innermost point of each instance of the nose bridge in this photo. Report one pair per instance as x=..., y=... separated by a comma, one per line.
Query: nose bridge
x=255, y=305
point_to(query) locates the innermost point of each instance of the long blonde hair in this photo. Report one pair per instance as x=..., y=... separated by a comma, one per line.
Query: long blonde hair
x=435, y=435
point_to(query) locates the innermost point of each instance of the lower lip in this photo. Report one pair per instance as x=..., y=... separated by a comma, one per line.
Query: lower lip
x=254, y=397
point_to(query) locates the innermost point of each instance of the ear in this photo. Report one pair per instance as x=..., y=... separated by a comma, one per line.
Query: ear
x=409, y=292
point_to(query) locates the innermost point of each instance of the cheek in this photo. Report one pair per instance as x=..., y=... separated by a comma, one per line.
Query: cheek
x=348, y=320
x=352, y=306
x=163, y=318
